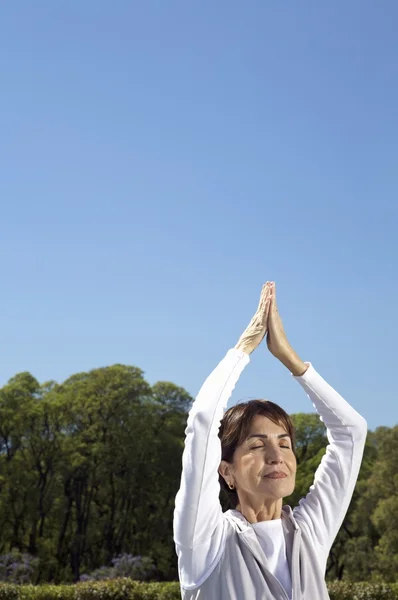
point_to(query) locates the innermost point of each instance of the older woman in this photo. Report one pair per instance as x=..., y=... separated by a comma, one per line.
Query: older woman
x=261, y=549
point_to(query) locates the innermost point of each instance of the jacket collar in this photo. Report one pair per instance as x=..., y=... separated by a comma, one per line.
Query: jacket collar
x=240, y=522
x=249, y=538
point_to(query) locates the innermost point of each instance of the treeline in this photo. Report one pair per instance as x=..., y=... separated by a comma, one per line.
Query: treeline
x=89, y=470
x=366, y=547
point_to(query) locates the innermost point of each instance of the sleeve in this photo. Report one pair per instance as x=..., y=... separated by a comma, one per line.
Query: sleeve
x=198, y=522
x=324, y=507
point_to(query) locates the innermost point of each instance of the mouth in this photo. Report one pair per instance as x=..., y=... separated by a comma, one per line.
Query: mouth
x=275, y=475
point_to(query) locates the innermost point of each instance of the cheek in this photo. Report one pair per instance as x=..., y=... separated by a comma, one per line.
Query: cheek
x=293, y=465
x=248, y=465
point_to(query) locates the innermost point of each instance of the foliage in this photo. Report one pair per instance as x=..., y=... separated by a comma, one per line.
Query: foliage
x=126, y=589
x=140, y=568
x=311, y=443
x=17, y=568
x=89, y=470
x=341, y=590
x=118, y=589
x=367, y=544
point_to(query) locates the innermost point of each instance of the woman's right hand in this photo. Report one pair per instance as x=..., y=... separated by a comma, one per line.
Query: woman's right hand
x=257, y=328
x=277, y=341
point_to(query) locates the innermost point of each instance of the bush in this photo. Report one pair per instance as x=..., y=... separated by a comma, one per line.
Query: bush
x=45, y=592
x=9, y=591
x=16, y=567
x=127, y=589
x=344, y=590
x=118, y=589
x=140, y=568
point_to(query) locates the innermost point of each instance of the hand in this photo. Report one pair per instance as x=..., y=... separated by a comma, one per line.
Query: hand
x=257, y=328
x=277, y=341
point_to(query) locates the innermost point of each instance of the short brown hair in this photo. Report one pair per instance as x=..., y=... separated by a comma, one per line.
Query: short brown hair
x=235, y=428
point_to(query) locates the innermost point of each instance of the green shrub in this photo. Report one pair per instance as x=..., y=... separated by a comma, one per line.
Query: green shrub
x=127, y=589
x=45, y=592
x=344, y=590
x=17, y=567
x=9, y=591
x=117, y=589
x=139, y=568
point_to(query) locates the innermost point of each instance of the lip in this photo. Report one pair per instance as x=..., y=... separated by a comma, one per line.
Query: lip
x=276, y=475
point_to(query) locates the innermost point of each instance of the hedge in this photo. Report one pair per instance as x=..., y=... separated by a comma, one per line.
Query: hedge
x=127, y=589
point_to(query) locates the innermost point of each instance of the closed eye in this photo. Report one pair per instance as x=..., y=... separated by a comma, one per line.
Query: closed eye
x=255, y=447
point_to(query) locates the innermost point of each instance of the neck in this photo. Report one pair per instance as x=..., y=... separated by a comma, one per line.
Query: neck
x=264, y=511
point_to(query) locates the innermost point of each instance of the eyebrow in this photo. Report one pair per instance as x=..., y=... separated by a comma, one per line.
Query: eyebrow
x=263, y=435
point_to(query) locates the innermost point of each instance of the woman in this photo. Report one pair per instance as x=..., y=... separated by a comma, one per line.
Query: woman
x=261, y=550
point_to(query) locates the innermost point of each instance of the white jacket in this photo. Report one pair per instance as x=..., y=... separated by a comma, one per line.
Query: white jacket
x=219, y=555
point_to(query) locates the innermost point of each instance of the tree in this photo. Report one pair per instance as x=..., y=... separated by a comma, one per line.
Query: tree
x=374, y=547
x=90, y=469
x=311, y=442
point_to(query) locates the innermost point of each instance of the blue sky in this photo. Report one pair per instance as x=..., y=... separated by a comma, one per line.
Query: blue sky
x=160, y=160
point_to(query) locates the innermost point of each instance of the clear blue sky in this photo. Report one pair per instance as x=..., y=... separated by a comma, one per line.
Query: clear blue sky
x=160, y=160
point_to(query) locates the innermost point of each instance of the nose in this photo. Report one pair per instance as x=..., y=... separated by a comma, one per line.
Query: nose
x=274, y=456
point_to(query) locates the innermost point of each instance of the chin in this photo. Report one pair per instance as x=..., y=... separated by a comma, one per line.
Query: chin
x=280, y=488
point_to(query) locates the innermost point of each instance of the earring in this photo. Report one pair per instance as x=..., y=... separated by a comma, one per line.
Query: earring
x=231, y=486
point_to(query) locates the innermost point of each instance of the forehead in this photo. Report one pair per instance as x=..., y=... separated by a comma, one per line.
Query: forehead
x=264, y=425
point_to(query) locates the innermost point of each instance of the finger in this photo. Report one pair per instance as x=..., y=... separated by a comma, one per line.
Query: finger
x=260, y=319
x=266, y=291
x=273, y=312
x=274, y=316
x=263, y=316
x=266, y=312
x=261, y=303
x=273, y=294
x=271, y=305
x=263, y=296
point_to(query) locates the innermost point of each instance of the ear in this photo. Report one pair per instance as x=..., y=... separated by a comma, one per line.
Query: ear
x=225, y=469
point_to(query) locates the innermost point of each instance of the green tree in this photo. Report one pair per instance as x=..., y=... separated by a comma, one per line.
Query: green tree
x=311, y=444
x=352, y=549
x=19, y=411
x=374, y=547
x=89, y=469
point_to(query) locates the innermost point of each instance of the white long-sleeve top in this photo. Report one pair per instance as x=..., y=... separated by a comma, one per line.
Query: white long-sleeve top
x=199, y=523
x=272, y=541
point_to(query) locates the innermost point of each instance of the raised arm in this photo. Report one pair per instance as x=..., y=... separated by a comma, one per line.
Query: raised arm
x=198, y=523
x=323, y=509
x=325, y=506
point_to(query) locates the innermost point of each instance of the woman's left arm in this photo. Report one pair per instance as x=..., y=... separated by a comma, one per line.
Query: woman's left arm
x=324, y=507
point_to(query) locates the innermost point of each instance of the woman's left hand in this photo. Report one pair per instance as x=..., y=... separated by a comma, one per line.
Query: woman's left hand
x=277, y=341
x=257, y=328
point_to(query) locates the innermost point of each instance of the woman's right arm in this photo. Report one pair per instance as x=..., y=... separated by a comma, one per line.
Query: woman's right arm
x=198, y=514
x=198, y=522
